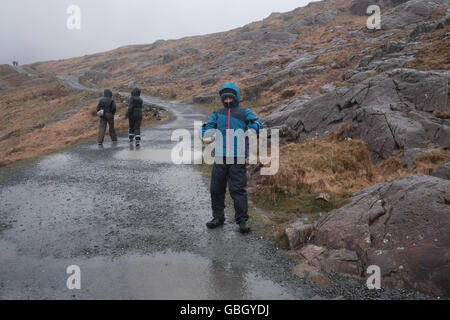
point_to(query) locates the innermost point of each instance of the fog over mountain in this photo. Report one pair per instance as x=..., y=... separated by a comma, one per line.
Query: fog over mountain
x=36, y=30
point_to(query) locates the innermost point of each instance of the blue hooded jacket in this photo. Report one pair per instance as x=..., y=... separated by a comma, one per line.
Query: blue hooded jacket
x=233, y=117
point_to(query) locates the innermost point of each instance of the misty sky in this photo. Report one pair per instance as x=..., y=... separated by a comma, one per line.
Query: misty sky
x=35, y=30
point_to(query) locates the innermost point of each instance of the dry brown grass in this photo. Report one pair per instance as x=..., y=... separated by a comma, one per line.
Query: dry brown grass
x=337, y=166
x=316, y=165
x=11, y=76
x=426, y=163
x=433, y=57
x=441, y=114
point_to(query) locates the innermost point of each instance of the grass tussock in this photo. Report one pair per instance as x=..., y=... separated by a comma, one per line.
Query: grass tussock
x=426, y=163
x=321, y=165
x=441, y=114
x=436, y=56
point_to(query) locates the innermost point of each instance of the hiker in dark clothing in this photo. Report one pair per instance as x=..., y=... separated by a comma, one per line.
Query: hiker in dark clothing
x=229, y=166
x=106, y=109
x=134, y=116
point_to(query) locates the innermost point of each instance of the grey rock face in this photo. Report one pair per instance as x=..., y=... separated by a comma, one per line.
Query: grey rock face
x=253, y=93
x=95, y=76
x=410, y=12
x=391, y=112
x=311, y=21
x=387, y=57
x=205, y=98
x=424, y=27
x=156, y=80
x=299, y=235
x=391, y=225
x=4, y=85
x=169, y=57
x=158, y=43
x=442, y=172
x=279, y=38
x=294, y=67
x=210, y=81
x=410, y=155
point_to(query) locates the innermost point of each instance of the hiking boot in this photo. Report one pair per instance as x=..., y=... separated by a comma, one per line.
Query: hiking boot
x=243, y=227
x=216, y=222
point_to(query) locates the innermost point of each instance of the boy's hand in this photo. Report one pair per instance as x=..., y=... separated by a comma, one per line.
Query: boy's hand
x=254, y=126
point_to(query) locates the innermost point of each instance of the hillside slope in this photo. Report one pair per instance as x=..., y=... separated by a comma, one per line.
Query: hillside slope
x=283, y=62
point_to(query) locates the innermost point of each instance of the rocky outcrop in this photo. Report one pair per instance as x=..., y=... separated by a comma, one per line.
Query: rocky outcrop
x=442, y=172
x=359, y=7
x=4, y=85
x=298, y=234
x=393, y=226
x=410, y=12
x=388, y=56
x=94, y=76
x=311, y=21
x=205, y=98
x=391, y=112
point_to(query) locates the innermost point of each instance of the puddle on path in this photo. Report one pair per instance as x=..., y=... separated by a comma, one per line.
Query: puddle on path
x=166, y=275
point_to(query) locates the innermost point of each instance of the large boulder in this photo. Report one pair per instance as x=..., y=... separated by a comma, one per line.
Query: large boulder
x=401, y=226
x=391, y=112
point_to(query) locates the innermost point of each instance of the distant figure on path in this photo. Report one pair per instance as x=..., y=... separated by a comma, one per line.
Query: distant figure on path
x=106, y=109
x=134, y=116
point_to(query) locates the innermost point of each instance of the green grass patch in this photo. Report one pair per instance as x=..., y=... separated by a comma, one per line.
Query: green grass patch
x=271, y=219
x=304, y=205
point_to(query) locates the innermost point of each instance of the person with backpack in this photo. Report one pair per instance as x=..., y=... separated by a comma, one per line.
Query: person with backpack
x=134, y=116
x=230, y=165
x=106, y=109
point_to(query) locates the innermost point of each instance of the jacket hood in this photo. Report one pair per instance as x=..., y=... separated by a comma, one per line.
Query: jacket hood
x=107, y=93
x=232, y=86
x=136, y=92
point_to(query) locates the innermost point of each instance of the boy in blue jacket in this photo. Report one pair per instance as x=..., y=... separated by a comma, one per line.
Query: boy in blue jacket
x=230, y=158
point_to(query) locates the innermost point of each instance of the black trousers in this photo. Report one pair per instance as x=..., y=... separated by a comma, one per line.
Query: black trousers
x=236, y=176
x=135, y=128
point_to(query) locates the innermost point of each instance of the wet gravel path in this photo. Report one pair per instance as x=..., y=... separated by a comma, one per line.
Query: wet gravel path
x=135, y=224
